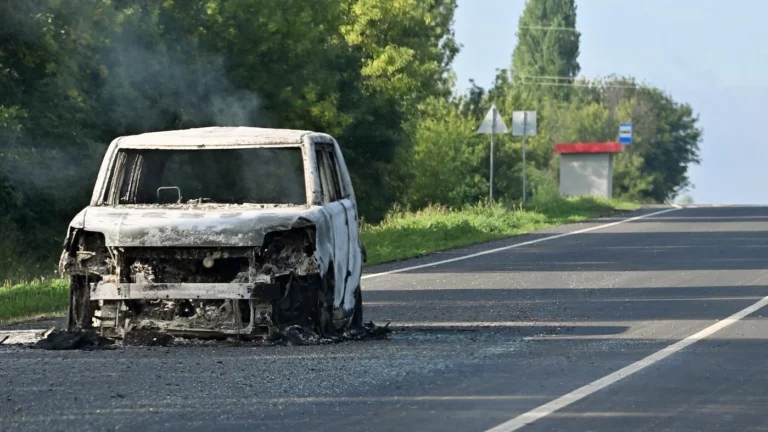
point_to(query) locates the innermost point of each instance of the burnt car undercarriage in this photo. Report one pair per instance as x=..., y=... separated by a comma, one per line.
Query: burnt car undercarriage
x=200, y=291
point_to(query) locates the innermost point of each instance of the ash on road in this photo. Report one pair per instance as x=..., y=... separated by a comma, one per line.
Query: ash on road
x=477, y=342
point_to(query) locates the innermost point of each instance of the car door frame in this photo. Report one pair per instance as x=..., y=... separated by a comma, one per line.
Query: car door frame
x=336, y=213
x=356, y=250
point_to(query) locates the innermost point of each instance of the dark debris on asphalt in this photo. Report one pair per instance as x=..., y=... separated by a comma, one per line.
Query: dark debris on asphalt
x=292, y=336
x=73, y=340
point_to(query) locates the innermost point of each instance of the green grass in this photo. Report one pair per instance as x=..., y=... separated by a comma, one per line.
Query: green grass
x=411, y=234
x=401, y=235
x=30, y=300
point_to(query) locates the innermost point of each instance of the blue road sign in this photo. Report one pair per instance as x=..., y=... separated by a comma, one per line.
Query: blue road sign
x=625, y=133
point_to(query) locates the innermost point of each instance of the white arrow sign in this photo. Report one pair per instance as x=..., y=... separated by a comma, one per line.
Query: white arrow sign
x=493, y=123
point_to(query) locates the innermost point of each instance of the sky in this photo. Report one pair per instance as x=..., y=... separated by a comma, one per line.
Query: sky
x=712, y=54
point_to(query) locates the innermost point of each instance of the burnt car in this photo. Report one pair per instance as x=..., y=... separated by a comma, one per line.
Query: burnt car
x=218, y=231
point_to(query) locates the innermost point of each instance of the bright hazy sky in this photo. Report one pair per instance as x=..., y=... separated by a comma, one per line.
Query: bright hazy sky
x=712, y=54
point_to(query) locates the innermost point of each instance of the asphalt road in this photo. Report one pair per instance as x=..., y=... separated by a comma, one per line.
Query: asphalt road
x=496, y=339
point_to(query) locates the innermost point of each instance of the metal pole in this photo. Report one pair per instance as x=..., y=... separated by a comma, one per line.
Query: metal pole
x=493, y=129
x=525, y=123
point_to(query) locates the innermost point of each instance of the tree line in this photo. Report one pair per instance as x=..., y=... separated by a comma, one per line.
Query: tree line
x=376, y=74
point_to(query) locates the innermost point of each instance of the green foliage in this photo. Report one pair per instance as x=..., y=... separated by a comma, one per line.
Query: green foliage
x=445, y=157
x=544, y=189
x=630, y=179
x=548, y=46
x=672, y=145
x=10, y=120
x=33, y=299
x=407, y=46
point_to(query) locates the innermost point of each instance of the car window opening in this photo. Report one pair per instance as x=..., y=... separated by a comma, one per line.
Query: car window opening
x=231, y=176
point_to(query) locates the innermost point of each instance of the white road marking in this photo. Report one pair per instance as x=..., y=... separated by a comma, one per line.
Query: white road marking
x=491, y=324
x=464, y=303
x=578, y=394
x=517, y=245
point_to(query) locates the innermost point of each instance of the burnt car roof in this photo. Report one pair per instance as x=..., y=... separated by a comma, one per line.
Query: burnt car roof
x=217, y=137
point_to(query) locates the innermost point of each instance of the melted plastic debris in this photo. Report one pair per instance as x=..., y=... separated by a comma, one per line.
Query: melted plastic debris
x=74, y=340
x=368, y=331
x=147, y=338
x=294, y=335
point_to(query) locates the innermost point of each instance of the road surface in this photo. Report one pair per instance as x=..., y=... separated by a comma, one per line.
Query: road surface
x=584, y=327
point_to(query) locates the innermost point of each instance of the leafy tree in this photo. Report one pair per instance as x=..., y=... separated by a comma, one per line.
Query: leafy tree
x=407, y=46
x=673, y=146
x=630, y=178
x=47, y=58
x=445, y=158
x=475, y=102
x=547, y=48
x=405, y=49
x=666, y=139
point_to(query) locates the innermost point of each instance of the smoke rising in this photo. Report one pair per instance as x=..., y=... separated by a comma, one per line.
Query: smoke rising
x=153, y=88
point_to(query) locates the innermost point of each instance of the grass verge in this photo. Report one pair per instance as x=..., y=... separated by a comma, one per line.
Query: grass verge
x=410, y=234
x=30, y=300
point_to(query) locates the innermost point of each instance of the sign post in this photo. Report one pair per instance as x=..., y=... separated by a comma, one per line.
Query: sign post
x=524, y=124
x=625, y=133
x=492, y=124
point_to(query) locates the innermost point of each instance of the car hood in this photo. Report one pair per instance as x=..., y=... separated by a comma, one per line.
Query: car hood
x=189, y=227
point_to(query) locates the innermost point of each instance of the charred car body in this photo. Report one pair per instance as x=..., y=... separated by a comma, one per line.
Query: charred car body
x=217, y=231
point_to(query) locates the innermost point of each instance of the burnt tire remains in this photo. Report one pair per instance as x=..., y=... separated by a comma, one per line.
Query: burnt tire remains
x=357, y=317
x=80, y=310
x=324, y=324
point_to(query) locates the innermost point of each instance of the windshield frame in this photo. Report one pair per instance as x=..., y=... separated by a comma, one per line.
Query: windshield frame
x=109, y=173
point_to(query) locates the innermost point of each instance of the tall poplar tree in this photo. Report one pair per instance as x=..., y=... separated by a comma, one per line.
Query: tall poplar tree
x=547, y=51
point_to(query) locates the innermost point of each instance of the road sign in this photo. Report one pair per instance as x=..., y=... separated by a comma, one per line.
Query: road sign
x=524, y=123
x=625, y=133
x=493, y=123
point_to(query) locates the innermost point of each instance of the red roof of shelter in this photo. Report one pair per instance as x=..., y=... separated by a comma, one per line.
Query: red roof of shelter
x=597, y=147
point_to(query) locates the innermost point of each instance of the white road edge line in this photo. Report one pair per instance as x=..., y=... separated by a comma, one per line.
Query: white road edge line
x=578, y=394
x=517, y=245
